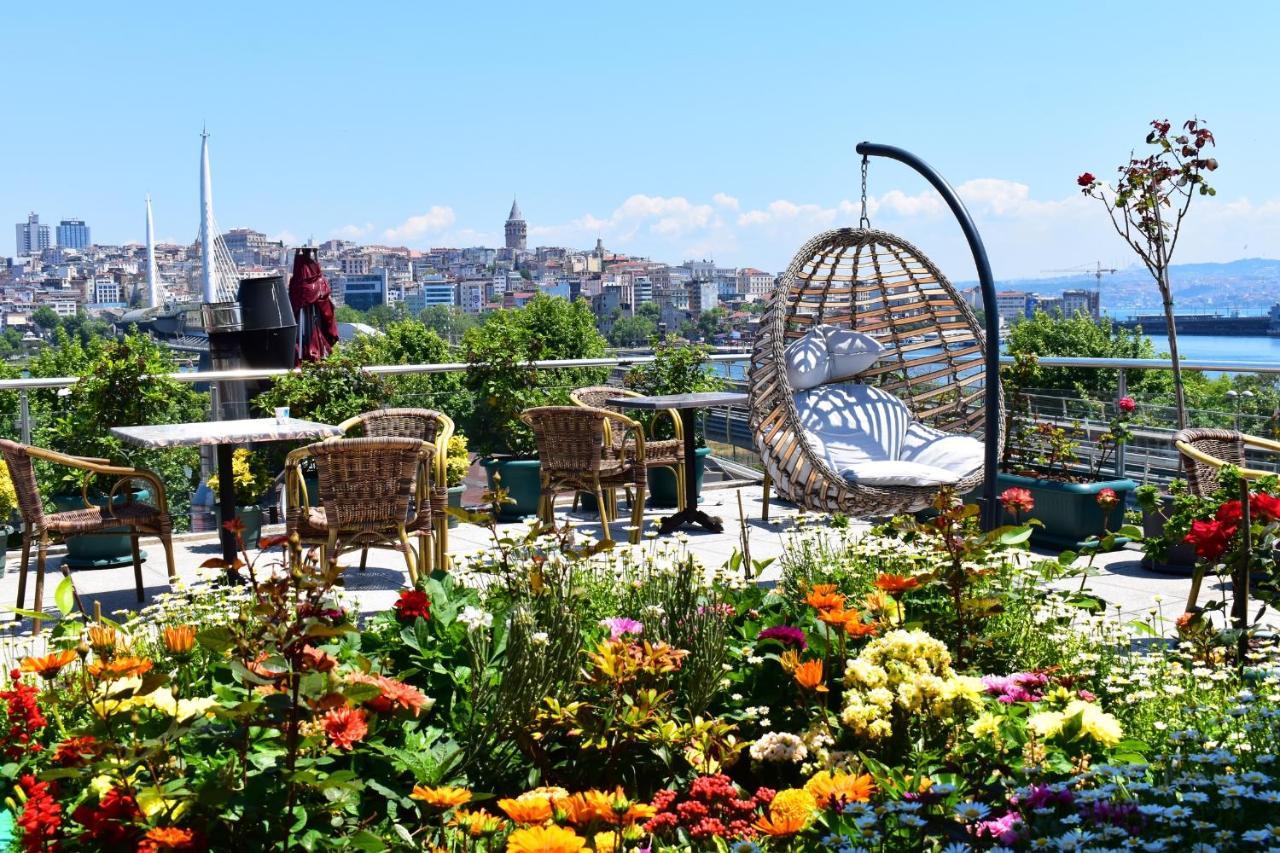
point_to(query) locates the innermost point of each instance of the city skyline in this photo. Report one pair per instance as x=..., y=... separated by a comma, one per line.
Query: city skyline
x=738, y=152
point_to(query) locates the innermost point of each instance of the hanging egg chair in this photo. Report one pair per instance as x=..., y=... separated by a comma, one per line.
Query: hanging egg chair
x=867, y=379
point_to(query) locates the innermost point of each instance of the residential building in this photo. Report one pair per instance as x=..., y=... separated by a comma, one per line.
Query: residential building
x=31, y=238
x=517, y=232
x=106, y=291
x=364, y=291
x=1012, y=305
x=471, y=295
x=73, y=234
x=754, y=283
x=1081, y=301
x=354, y=263
x=703, y=296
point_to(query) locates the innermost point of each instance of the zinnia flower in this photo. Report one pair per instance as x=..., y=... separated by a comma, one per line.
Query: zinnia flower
x=411, y=605
x=786, y=635
x=896, y=584
x=1017, y=500
x=49, y=666
x=444, y=797
x=345, y=726
x=1108, y=499
x=169, y=838
x=527, y=809
x=545, y=839
x=823, y=596
x=790, y=812
x=809, y=676
x=833, y=790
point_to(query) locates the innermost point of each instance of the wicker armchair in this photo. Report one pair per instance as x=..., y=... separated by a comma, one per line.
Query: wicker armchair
x=571, y=448
x=371, y=495
x=430, y=426
x=45, y=529
x=658, y=453
x=1206, y=451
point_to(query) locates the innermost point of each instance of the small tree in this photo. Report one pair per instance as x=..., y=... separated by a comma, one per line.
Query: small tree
x=1147, y=205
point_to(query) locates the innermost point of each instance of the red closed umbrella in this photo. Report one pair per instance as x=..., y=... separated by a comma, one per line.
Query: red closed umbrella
x=312, y=301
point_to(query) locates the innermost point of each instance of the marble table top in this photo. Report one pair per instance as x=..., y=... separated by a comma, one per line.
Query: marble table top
x=224, y=432
x=700, y=400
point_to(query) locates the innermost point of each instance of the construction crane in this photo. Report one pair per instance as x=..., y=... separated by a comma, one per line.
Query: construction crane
x=1097, y=269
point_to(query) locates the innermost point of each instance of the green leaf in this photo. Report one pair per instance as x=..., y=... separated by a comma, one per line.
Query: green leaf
x=1130, y=531
x=1015, y=536
x=1066, y=558
x=217, y=639
x=1141, y=627
x=65, y=595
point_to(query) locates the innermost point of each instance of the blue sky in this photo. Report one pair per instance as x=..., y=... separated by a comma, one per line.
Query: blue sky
x=672, y=130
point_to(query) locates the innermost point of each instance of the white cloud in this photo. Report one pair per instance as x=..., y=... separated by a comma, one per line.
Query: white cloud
x=286, y=237
x=352, y=232
x=435, y=220
x=724, y=200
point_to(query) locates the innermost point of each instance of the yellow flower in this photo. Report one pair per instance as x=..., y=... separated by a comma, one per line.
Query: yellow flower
x=790, y=812
x=527, y=808
x=544, y=839
x=605, y=842
x=987, y=725
x=1096, y=723
x=443, y=797
x=836, y=789
x=1046, y=723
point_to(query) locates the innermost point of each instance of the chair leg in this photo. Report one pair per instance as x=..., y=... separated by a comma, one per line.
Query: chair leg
x=410, y=557
x=38, y=604
x=137, y=564
x=604, y=515
x=166, y=539
x=426, y=552
x=442, y=544
x=682, y=499
x=765, y=488
x=613, y=503
x=364, y=557
x=637, y=516
x=22, y=570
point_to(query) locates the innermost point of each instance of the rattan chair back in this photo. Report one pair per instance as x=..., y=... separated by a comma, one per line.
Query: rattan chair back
x=23, y=475
x=367, y=483
x=424, y=424
x=1225, y=444
x=570, y=439
x=879, y=284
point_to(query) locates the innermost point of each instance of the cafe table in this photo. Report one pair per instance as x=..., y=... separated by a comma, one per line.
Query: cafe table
x=687, y=405
x=226, y=436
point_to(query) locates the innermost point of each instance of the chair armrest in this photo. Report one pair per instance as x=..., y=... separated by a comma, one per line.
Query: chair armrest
x=1198, y=455
x=676, y=422
x=634, y=432
x=295, y=485
x=346, y=425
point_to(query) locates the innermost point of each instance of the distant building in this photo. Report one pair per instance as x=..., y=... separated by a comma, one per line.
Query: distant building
x=1081, y=301
x=471, y=295
x=703, y=296
x=1049, y=304
x=73, y=234
x=362, y=292
x=356, y=263
x=1012, y=305
x=32, y=238
x=516, y=229
x=754, y=283
x=106, y=291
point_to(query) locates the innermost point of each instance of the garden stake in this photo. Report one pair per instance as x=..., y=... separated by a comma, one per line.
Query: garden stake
x=1240, y=605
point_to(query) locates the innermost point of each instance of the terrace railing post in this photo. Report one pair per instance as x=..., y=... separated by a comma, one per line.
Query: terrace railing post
x=24, y=416
x=1122, y=390
x=990, y=311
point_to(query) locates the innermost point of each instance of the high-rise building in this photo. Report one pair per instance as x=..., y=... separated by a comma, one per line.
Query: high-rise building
x=32, y=238
x=1080, y=301
x=73, y=234
x=517, y=230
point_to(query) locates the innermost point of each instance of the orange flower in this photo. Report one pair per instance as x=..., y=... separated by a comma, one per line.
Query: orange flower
x=790, y=812
x=823, y=596
x=809, y=676
x=120, y=668
x=345, y=727
x=583, y=808
x=179, y=640
x=544, y=839
x=858, y=628
x=169, y=838
x=833, y=790
x=102, y=639
x=49, y=666
x=789, y=659
x=443, y=797
x=477, y=824
x=527, y=809
x=896, y=584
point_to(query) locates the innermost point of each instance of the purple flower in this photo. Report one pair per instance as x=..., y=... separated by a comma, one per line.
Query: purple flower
x=1043, y=796
x=621, y=626
x=1016, y=687
x=1003, y=829
x=786, y=635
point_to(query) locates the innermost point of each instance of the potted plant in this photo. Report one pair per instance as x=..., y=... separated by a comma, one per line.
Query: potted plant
x=1042, y=458
x=677, y=368
x=122, y=382
x=457, y=464
x=251, y=479
x=503, y=383
x=8, y=503
x=1166, y=521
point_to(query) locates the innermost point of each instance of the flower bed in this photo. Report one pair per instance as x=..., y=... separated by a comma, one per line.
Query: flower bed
x=920, y=687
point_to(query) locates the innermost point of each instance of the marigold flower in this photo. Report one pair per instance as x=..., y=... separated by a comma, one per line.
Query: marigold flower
x=545, y=839
x=823, y=596
x=179, y=640
x=170, y=838
x=896, y=584
x=832, y=790
x=444, y=797
x=809, y=676
x=48, y=666
x=477, y=824
x=790, y=812
x=1017, y=500
x=527, y=809
x=345, y=727
x=127, y=667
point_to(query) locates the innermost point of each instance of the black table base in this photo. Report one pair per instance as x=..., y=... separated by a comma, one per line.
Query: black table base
x=226, y=502
x=690, y=514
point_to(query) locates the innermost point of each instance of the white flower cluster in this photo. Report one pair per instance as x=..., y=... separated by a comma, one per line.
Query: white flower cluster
x=780, y=748
x=475, y=618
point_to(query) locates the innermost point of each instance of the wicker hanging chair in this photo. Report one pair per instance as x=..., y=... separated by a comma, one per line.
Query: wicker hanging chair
x=876, y=283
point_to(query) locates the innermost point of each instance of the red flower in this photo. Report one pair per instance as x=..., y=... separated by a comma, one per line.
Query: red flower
x=1126, y=405
x=73, y=752
x=1210, y=538
x=412, y=604
x=1086, y=180
x=113, y=821
x=345, y=727
x=1108, y=499
x=22, y=720
x=1230, y=513
x=1017, y=500
x=41, y=816
x=234, y=525
x=1265, y=507
x=267, y=542
x=171, y=838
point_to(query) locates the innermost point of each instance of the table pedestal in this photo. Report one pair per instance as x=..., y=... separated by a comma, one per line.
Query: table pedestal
x=226, y=502
x=690, y=514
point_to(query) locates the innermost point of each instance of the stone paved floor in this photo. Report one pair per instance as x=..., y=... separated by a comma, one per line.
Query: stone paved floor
x=1120, y=580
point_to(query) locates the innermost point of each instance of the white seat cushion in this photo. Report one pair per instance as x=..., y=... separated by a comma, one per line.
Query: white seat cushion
x=807, y=362
x=850, y=352
x=852, y=423
x=958, y=454
x=897, y=473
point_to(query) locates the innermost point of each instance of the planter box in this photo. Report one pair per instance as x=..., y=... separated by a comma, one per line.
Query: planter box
x=662, y=483
x=522, y=480
x=98, y=550
x=455, y=501
x=252, y=518
x=1181, y=560
x=1070, y=511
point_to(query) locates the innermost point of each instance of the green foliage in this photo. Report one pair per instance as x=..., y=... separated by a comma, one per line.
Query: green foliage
x=410, y=342
x=677, y=368
x=458, y=462
x=382, y=316
x=447, y=321
x=1080, y=336
x=503, y=384
x=347, y=314
x=632, y=331
x=46, y=318
x=328, y=391
x=250, y=474
x=123, y=382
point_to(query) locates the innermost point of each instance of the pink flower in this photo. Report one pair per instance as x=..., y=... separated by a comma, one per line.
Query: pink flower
x=1017, y=500
x=621, y=626
x=1126, y=405
x=1108, y=499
